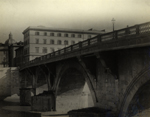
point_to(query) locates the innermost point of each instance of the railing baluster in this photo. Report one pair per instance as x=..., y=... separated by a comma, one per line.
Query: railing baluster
x=64, y=50
x=89, y=41
x=80, y=44
x=137, y=29
x=116, y=34
x=71, y=47
x=99, y=38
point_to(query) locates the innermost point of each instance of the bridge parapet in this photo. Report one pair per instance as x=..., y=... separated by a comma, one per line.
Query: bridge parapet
x=133, y=36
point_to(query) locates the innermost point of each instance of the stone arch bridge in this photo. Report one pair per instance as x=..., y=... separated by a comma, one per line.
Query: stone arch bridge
x=115, y=66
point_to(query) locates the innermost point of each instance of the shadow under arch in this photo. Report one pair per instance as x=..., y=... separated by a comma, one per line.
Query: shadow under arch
x=141, y=79
x=41, y=82
x=75, y=65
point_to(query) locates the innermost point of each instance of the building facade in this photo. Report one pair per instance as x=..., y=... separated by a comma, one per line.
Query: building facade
x=19, y=56
x=41, y=40
x=3, y=55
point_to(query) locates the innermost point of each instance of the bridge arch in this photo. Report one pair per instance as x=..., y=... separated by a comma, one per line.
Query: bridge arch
x=77, y=69
x=135, y=88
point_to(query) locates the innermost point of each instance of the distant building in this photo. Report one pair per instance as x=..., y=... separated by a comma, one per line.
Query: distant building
x=7, y=52
x=41, y=40
x=19, y=56
x=3, y=55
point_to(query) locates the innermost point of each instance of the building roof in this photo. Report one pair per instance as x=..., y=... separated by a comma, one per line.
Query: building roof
x=42, y=28
x=10, y=40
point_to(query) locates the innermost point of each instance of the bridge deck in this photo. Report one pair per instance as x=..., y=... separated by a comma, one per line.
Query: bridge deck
x=130, y=37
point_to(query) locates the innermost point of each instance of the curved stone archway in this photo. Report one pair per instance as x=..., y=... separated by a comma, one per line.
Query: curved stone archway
x=140, y=103
x=133, y=90
x=71, y=82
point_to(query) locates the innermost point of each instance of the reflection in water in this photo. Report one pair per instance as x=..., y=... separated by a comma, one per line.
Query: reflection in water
x=11, y=108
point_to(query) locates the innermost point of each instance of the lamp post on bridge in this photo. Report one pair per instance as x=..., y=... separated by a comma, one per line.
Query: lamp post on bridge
x=113, y=22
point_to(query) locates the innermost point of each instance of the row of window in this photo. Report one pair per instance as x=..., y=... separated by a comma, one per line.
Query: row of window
x=44, y=50
x=59, y=42
x=59, y=35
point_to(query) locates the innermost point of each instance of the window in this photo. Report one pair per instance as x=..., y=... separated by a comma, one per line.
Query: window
x=65, y=42
x=79, y=36
x=25, y=51
x=51, y=41
x=24, y=42
x=66, y=35
x=51, y=34
x=45, y=33
x=72, y=42
x=36, y=41
x=44, y=49
x=37, y=33
x=26, y=35
x=44, y=41
x=37, y=49
x=72, y=35
x=52, y=49
x=27, y=41
x=59, y=42
x=59, y=34
x=89, y=36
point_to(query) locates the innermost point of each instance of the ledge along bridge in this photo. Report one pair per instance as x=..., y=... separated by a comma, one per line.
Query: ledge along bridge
x=115, y=66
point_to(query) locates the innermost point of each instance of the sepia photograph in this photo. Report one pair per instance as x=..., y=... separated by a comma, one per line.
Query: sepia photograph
x=74, y=58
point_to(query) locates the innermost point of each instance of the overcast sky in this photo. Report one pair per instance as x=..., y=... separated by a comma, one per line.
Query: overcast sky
x=17, y=15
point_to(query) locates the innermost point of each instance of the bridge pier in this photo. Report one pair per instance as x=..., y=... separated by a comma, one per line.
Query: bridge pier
x=25, y=96
x=44, y=102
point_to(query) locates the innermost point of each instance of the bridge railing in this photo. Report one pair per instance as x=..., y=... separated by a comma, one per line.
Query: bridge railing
x=117, y=34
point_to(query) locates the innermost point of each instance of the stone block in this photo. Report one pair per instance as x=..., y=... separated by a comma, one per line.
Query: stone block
x=25, y=96
x=43, y=102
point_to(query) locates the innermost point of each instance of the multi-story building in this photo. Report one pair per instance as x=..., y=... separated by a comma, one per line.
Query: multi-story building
x=19, y=56
x=42, y=40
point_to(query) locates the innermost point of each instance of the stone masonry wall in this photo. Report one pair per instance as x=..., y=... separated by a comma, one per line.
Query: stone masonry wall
x=5, y=83
x=130, y=63
x=9, y=82
x=15, y=81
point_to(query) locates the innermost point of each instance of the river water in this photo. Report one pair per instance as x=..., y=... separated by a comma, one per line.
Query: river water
x=13, y=109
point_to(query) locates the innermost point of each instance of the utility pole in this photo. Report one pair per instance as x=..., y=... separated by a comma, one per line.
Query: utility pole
x=113, y=22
